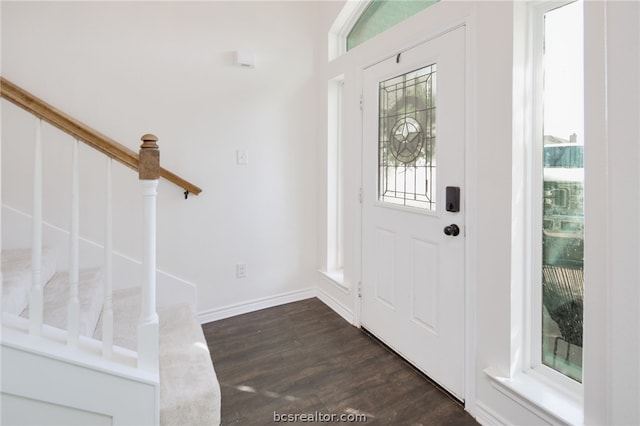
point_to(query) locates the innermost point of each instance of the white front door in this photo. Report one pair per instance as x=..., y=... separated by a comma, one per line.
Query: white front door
x=413, y=161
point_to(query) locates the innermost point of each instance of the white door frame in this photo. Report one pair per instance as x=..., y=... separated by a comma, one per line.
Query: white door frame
x=470, y=166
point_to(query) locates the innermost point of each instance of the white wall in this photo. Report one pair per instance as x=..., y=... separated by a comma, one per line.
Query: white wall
x=126, y=69
x=619, y=187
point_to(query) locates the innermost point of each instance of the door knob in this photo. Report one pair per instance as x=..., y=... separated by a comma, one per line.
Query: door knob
x=452, y=230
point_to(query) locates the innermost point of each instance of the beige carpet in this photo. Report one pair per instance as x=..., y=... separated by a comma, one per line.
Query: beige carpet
x=16, y=277
x=56, y=300
x=189, y=389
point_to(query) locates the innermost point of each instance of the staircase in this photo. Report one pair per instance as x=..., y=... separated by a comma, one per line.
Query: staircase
x=73, y=350
x=188, y=393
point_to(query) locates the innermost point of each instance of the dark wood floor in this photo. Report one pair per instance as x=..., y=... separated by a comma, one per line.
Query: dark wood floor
x=303, y=358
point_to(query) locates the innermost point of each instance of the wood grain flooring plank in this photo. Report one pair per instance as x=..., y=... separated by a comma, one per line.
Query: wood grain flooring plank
x=303, y=358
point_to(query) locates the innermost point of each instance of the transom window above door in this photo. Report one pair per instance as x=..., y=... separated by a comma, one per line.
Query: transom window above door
x=360, y=21
x=380, y=15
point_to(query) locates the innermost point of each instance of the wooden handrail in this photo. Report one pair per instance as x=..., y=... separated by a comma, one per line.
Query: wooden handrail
x=80, y=131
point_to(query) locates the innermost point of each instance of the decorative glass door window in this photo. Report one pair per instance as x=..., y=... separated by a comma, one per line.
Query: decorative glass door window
x=406, y=139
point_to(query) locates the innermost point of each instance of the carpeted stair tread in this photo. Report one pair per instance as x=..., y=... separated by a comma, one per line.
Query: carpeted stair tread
x=16, y=277
x=126, y=312
x=189, y=389
x=56, y=300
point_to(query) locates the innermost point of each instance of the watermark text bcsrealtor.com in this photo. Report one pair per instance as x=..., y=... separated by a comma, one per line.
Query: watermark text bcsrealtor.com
x=318, y=417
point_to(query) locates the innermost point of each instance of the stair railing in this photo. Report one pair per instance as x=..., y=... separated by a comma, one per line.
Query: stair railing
x=147, y=163
x=82, y=132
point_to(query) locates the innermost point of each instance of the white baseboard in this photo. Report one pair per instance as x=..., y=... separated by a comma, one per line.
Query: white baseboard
x=487, y=417
x=272, y=301
x=334, y=304
x=254, y=305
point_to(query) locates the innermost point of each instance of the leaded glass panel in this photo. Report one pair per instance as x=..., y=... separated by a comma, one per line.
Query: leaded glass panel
x=406, y=139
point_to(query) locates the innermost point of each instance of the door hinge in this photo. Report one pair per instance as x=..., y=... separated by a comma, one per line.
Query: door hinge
x=360, y=196
x=360, y=289
x=361, y=103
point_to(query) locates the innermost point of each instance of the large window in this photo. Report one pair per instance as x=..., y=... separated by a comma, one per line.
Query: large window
x=559, y=193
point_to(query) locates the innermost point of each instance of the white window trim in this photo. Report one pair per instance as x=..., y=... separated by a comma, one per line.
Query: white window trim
x=544, y=391
x=540, y=395
x=343, y=24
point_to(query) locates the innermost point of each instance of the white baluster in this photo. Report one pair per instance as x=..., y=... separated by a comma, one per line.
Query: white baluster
x=148, y=325
x=35, y=294
x=107, y=311
x=73, y=310
x=1, y=282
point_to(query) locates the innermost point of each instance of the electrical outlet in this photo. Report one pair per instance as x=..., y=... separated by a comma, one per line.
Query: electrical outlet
x=241, y=270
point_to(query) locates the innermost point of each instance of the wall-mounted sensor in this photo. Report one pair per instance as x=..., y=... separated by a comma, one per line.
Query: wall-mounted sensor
x=245, y=59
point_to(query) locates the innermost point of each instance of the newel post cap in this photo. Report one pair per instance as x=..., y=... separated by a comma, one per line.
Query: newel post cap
x=149, y=158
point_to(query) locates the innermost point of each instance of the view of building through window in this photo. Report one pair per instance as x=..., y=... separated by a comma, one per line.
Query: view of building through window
x=563, y=191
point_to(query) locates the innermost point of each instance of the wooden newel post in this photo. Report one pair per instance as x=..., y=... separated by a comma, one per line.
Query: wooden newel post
x=149, y=168
x=149, y=173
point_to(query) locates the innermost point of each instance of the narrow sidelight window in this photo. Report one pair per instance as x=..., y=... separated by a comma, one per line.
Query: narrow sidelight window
x=335, y=209
x=562, y=190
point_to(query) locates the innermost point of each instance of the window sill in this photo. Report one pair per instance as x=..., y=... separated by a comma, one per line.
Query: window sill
x=336, y=277
x=535, y=392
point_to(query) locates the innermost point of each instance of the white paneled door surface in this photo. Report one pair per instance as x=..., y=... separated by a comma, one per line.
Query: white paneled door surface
x=413, y=239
